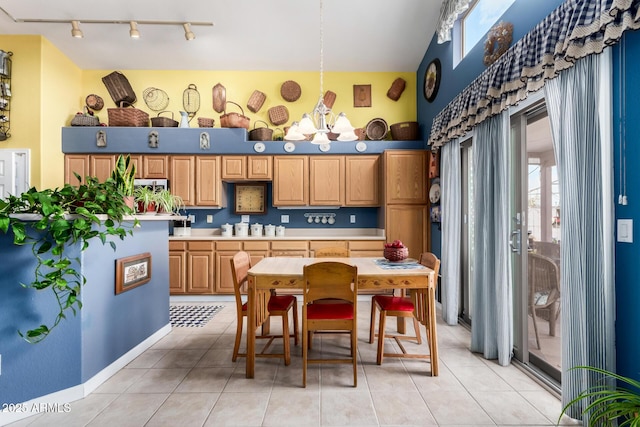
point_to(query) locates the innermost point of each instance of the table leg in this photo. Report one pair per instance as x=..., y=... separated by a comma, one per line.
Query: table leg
x=433, y=341
x=251, y=327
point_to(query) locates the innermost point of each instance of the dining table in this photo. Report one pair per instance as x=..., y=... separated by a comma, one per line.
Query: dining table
x=277, y=273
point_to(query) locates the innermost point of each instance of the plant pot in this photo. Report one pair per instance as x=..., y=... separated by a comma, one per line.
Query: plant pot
x=129, y=201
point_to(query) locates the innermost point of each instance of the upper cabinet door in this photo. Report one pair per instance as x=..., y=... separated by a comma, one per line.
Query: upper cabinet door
x=326, y=181
x=260, y=168
x=182, y=180
x=208, y=181
x=234, y=167
x=362, y=181
x=290, y=180
x=405, y=176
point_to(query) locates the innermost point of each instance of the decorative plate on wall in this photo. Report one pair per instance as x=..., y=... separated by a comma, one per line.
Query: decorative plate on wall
x=432, y=80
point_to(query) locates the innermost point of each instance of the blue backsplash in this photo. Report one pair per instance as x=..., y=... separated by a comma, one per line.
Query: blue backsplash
x=365, y=217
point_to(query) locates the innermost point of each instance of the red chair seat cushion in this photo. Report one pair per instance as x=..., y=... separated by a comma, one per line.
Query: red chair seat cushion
x=280, y=302
x=337, y=311
x=388, y=303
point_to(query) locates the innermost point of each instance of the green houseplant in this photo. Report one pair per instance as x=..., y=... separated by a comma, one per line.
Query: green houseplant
x=124, y=175
x=63, y=216
x=168, y=203
x=607, y=405
x=146, y=199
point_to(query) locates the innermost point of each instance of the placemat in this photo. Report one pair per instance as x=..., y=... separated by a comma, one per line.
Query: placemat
x=407, y=264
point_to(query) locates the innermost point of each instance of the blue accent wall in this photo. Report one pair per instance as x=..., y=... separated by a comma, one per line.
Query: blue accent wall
x=106, y=327
x=524, y=15
x=627, y=254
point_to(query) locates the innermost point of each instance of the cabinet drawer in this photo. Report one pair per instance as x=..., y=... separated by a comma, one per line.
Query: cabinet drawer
x=256, y=246
x=229, y=246
x=201, y=246
x=177, y=245
x=289, y=245
x=318, y=244
x=366, y=245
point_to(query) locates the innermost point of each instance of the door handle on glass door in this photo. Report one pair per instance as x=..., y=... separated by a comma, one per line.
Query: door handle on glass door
x=515, y=247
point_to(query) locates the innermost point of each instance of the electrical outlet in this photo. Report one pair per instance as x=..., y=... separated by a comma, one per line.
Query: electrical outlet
x=209, y=219
x=284, y=219
x=245, y=218
x=352, y=219
x=192, y=218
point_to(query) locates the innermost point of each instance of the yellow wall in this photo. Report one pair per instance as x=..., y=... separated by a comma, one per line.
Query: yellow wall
x=48, y=90
x=241, y=84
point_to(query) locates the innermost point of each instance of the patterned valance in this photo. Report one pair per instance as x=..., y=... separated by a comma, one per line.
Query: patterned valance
x=449, y=12
x=577, y=28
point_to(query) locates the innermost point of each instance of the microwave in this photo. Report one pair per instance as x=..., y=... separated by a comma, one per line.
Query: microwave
x=162, y=184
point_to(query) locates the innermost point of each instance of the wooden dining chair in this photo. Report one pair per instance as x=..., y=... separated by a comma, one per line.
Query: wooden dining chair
x=336, y=281
x=279, y=305
x=544, y=291
x=332, y=252
x=414, y=306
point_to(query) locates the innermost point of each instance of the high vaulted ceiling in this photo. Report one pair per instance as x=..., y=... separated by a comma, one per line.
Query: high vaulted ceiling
x=359, y=35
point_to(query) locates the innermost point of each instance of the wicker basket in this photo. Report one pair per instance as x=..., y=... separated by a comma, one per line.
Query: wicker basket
x=205, y=122
x=94, y=102
x=164, y=122
x=219, y=94
x=257, y=98
x=396, y=89
x=396, y=254
x=278, y=115
x=260, y=133
x=132, y=117
x=405, y=131
x=85, y=119
x=376, y=129
x=290, y=91
x=119, y=88
x=234, y=120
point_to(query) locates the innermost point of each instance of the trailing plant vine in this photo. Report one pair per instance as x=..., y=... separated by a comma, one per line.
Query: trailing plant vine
x=65, y=216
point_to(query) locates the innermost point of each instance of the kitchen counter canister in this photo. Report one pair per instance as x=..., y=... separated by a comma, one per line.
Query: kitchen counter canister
x=291, y=234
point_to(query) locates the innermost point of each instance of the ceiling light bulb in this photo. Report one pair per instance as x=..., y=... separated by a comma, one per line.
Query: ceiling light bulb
x=133, y=32
x=75, y=30
x=188, y=34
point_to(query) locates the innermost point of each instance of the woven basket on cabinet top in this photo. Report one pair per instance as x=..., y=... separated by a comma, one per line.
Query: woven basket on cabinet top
x=132, y=117
x=376, y=129
x=234, y=120
x=404, y=131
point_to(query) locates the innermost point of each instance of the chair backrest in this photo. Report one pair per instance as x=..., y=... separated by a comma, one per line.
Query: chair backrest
x=332, y=252
x=544, y=280
x=431, y=261
x=240, y=265
x=548, y=249
x=330, y=279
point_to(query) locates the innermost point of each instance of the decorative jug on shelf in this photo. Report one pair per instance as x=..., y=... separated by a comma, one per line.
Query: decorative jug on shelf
x=184, y=120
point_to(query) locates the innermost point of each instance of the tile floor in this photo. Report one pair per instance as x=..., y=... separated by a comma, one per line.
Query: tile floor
x=188, y=379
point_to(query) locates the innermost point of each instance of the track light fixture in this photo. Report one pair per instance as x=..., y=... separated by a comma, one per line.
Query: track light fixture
x=188, y=34
x=133, y=31
x=75, y=30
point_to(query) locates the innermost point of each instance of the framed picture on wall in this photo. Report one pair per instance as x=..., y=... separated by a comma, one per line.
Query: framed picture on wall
x=436, y=214
x=132, y=271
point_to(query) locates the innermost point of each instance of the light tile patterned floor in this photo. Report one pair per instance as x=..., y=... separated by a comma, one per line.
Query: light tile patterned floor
x=188, y=379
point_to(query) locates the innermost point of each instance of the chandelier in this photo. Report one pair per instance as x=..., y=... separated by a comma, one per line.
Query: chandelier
x=321, y=120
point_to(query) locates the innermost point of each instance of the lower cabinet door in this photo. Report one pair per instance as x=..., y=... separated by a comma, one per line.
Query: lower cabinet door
x=201, y=272
x=224, y=277
x=177, y=272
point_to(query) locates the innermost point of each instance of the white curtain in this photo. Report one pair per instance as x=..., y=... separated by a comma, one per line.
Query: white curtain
x=492, y=327
x=449, y=13
x=451, y=230
x=587, y=303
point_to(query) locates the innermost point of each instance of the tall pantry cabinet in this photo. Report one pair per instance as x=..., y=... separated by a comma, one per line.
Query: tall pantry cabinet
x=405, y=193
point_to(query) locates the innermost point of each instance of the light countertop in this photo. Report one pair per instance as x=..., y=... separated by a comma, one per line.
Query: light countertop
x=291, y=234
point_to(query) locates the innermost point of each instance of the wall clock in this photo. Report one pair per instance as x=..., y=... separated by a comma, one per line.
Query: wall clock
x=250, y=198
x=432, y=80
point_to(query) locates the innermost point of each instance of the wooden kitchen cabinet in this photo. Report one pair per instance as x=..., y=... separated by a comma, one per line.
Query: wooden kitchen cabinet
x=225, y=252
x=151, y=166
x=292, y=248
x=177, y=267
x=256, y=168
x=101, y=165
x=326, y=180
x=366, y=248
x=362, y=178
x=410, y=224
x=290, y=180
x=405, y=174
x=78, y=163
x=208, y=184
x=319, y=244
x=200, y=267
x=183, y=178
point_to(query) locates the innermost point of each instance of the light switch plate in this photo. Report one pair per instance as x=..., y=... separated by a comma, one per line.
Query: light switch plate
x=625, y=230
x=244, y=218
x=284, y=219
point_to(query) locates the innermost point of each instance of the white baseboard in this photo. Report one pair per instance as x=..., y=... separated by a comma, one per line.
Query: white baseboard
x=59, y=401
